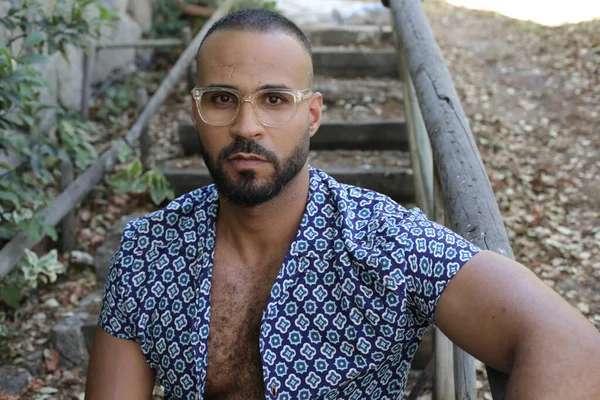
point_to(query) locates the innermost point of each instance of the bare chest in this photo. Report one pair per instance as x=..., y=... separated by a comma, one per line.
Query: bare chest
x=238, y=298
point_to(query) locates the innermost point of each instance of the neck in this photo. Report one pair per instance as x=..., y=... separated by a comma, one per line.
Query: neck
x=268, y=227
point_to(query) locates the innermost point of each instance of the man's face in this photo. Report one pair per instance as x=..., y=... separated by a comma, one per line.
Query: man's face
x=250, y=162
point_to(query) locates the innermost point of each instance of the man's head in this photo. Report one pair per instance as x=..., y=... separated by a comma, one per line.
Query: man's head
x=254, y=109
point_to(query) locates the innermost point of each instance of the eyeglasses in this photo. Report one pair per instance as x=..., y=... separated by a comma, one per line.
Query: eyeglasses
x=273, y=107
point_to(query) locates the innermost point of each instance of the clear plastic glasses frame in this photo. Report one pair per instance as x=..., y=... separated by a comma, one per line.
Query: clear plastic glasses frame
x=298, y=95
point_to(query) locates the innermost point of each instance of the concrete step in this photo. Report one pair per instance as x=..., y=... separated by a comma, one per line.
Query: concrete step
x=334, y=89
x=391, y=178
x=344, y=35
x=350, y=62
x=374, y=135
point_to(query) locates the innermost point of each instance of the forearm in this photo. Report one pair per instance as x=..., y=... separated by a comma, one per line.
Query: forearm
x=557, y=363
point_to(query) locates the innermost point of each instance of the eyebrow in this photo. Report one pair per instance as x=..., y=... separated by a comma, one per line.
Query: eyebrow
x=263, y=87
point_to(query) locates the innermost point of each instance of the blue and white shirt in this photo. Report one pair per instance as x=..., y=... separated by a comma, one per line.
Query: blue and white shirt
x=346, y=313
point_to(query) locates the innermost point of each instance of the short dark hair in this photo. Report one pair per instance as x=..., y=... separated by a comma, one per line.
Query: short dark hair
x=259, y=20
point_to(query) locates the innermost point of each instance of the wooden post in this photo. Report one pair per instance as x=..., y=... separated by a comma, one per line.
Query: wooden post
x=187, y=38
x=444, y=377
x=428, y=200
x=464, y=375
x=88, y=72
x=69, y=222
x=142, y=100
x=471, y=207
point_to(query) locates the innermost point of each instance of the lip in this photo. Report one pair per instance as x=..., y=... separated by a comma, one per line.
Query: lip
x=246, y=157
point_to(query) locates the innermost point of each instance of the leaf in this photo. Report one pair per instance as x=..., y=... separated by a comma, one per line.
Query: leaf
x=138, y=186
x=106, y=14
x=34, y=232
x=6, y=232
x=13, y=198
x=10, y=25
x=51, y=231
x=33, y=58
x=14, y=78
x=135, y=169
x=34, y=38
x=52, y=360
x=11, y=295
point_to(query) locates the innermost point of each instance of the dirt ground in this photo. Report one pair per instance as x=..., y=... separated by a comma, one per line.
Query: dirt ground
x=531, y=94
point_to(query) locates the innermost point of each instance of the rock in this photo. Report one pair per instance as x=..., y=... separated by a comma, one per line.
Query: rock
x=52, y=302
x=69, y=339
x=110, y=60
x=583, y=307
x=91, y=300
x=141, y=12
x=82, y=258
x=109, y=247
x=14, y=380
x=49, y=94
x=70, y=77
x=33, y=362
x=47, y=390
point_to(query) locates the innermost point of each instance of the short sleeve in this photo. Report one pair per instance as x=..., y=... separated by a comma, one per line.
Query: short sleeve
x=429, y=256
x=119, y=310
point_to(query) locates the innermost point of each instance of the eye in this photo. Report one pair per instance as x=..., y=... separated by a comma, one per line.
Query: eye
x=222, y=98
x=275, y=99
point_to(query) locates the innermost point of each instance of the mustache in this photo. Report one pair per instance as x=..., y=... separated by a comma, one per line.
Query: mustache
x=247, y=146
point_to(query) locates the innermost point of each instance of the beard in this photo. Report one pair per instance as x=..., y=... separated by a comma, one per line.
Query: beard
x=246, y=191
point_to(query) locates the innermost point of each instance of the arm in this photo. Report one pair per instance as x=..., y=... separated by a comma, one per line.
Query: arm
x=117, y=370
x=498, y=311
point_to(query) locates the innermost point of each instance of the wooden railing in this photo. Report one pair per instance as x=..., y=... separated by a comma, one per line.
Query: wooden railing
x=451, y=183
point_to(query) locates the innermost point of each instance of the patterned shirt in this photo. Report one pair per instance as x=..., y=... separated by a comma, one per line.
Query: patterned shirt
x=357, y=289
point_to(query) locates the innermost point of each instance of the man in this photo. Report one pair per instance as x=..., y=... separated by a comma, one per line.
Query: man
x=279, y=282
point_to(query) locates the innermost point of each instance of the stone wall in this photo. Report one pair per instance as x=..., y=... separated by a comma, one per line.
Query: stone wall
x=65, y=78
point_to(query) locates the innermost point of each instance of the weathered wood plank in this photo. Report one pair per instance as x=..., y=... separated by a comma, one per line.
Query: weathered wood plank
x=14, y=250
x=344, y=35
x=472, y=210
x=346, y=62
x=464, y=373
x=394, y=182
x=145, y=140
x=191, y=76
x=444, y=378
x=376, y=135
x=147, y=43
x=69, y=222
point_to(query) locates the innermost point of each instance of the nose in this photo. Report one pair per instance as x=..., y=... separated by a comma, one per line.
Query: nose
x=247, y=125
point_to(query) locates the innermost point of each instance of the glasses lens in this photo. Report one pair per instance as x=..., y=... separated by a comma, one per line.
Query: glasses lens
x=218, y=106
x=274, y=107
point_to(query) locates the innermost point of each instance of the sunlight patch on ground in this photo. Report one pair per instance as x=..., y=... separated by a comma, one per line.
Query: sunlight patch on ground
x=540, y=11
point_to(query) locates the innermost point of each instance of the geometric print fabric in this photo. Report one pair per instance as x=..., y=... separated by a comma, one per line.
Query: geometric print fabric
x=356, y=291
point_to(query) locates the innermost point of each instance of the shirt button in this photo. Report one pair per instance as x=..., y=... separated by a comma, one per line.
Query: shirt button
x=274, y=391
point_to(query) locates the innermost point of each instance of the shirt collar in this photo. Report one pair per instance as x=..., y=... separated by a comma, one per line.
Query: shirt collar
x=305, y=244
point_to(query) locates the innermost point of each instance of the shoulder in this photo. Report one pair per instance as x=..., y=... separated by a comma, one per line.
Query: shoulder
x=163, y=235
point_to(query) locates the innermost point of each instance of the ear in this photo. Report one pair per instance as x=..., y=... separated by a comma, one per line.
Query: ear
x=315, y=110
